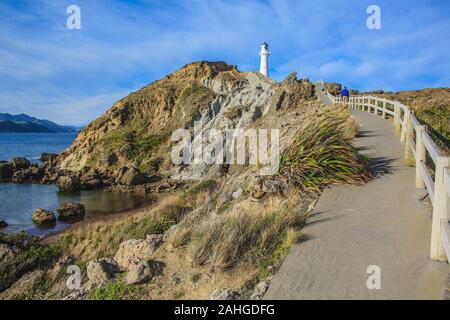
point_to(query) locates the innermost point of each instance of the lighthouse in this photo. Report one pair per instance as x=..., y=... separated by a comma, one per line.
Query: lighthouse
x=264, y=53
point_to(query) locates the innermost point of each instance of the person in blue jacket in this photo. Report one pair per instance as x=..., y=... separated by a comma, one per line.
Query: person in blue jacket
x=345, y=95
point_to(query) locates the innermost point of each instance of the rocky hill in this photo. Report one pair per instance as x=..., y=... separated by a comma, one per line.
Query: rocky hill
x=136, y=131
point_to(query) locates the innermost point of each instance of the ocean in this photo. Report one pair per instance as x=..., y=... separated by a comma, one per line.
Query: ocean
x=31, y=145
x=18, y=201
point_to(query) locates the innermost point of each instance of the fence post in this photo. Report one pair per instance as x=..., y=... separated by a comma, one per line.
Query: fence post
x=404, y=125
x=421, y=156
x=440, y=210
x=397, y=116
x=409, y=135
x=383, y=115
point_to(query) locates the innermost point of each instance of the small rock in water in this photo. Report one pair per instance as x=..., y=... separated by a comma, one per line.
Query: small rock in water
x=42, y=216
x=6, y=171
x=3, y=224
x=48, y=157
x=69, y=211
x=20, y=163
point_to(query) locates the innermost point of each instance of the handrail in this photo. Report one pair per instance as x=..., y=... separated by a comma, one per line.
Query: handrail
x=418, y=144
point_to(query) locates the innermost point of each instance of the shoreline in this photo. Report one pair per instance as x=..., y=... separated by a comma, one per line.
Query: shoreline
x=52, y=237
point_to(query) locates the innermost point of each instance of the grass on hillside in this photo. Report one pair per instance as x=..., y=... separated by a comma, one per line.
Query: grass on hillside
x=438, y=121
x=137, y=144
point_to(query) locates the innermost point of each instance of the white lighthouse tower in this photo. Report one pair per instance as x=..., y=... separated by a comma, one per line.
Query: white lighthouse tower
x=264, y=53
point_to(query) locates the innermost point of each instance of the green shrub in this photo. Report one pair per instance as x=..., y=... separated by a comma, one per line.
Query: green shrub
x=115, y=290
x=205, y=185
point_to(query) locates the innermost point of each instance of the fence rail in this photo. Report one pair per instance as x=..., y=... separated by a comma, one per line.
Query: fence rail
x=432, y=166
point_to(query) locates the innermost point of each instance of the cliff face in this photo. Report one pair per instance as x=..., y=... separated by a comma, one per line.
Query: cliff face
x=136, y=131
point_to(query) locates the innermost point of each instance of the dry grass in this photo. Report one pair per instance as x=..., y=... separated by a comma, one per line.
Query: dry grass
x=102, y=239
x=223, y=241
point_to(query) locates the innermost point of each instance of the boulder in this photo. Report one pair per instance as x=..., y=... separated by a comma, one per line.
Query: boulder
x=70, y=210
x=6, y=171
x=131, y=252
x=225, y=294
x=130, y=176
x=3, y=224
x=68, y=183
x=76, y=295
x=334, y=88
x=101, y=270
x=20, y=163
x=260, y=290
x=259, y=186
x=91, y=180
x=42, y=216
x=144, y=271
x=48, y=157
x=31, y=174
x=237, y=194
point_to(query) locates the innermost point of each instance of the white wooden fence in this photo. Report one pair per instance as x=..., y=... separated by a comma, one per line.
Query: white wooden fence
x=418, y=145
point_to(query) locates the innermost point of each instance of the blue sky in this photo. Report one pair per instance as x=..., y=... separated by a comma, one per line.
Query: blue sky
x=73, y=76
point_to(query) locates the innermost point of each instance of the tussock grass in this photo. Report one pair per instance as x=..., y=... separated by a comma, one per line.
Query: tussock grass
x=320, y=155
x=226, y=240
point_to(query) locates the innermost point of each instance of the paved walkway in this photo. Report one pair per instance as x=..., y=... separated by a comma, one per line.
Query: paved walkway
x=381, y=223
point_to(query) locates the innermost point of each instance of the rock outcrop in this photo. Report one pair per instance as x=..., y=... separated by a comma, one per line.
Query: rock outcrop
x=130, y=176
x=42, y=216
x=334, y=88
x=20, y=163
x=100, y=271
x=70, y=211
x=6, y=171
x=34, y=173
x=68, y=183
x=132, y=252
x=225, y=294
x=144, y=271
x=48, y=157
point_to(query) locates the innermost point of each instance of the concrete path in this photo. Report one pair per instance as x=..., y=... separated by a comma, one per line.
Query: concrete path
x=381, y=223
x=321, y=93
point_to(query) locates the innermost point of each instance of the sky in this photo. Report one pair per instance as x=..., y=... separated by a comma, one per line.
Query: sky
x=73, y=76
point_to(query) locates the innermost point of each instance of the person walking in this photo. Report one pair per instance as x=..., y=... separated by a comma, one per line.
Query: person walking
x=345, y=95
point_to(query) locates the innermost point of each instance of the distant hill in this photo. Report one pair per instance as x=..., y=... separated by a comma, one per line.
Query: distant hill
x=25, y=123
